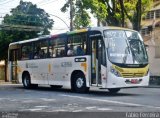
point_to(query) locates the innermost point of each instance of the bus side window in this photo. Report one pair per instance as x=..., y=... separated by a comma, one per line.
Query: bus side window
x=27, y=51
x=41, y=49
x=70, y=51
x=57, y=47
x=78, y=41
x=79, y=50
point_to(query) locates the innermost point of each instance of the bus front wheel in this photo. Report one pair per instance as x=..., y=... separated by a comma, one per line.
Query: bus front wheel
x=79, y=83
x=114, y=90
x=26, y=81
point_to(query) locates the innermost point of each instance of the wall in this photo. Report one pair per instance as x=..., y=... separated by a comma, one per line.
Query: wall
x=2, y=71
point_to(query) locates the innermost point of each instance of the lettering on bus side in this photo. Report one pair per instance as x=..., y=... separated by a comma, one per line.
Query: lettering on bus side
x=31, y=65
x=66, y=64
x=81, y=59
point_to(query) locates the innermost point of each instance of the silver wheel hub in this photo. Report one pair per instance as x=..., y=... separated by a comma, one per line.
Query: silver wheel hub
x=26, y=81
x=79, y=82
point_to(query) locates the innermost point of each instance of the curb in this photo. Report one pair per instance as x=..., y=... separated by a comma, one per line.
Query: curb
x=2, y=82
x=153, y=86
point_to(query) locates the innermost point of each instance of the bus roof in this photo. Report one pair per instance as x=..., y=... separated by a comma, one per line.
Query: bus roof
x=109, y=27
x=69, y=33
x=30, y=40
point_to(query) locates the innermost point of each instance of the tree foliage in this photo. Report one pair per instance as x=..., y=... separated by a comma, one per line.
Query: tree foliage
x=121, y=10
x=81, y=10
x=115, y=12
x=25, y=14
x=82, y=18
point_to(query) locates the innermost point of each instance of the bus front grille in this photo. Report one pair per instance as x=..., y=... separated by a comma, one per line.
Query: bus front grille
x=131, y=75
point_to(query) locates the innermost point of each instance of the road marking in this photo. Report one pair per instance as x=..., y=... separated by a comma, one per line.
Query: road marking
x=91, y=107
x=111, y=101
x=96, y=108
x=104, y=109
x=77, y=110
x=28, y=101
x=60, y=110
x=41, y=106
x=37, y=109
x=46, y=99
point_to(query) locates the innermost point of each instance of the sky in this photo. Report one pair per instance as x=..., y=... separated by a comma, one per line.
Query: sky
x=50, y=6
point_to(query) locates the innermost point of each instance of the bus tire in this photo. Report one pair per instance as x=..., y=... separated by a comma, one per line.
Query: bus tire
x=114, y=90
x=79, y=83
x=26, y=80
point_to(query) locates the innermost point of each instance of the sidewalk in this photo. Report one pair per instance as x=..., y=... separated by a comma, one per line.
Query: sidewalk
x=2, y=82
x=154, y=83
x=153, y=86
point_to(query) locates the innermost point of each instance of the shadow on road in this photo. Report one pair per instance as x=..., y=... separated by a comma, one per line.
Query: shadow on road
x=99, y=93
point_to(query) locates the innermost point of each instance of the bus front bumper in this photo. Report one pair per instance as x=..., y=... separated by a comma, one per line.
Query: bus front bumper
x=120, y=82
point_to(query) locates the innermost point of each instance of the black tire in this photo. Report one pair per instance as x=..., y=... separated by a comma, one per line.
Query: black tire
x=26, y=80
x=114, y=90
x=79, y=83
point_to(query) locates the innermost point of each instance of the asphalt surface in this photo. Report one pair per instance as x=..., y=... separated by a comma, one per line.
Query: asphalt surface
x=14, y=98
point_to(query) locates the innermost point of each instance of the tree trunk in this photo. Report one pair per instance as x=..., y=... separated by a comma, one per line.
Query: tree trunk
x=122, y=12
x=98, y=22
x=137, y=17
x=139, y=14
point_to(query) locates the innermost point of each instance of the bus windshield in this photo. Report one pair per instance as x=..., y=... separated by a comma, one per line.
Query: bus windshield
x=125, y=47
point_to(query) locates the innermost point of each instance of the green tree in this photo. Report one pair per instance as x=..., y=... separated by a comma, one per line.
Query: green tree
x=135, y=10
x=82, y=18
x=121, y=10
x=80, y=10
x=115, y=12
x=24, y=22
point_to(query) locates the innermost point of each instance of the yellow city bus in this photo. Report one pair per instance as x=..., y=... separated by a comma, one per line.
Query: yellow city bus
x=101, y=57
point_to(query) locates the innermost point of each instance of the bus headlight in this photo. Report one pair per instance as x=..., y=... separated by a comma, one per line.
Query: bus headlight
x=115, y=72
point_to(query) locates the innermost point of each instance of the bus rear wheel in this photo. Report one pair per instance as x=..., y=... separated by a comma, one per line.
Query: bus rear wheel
x=79, y=83
x=114, y=90
x=26, y=81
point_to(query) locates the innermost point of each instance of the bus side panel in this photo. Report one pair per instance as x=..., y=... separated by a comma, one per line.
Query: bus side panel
x=57, y=72
x=21, y=67
x=39, y=69
x=104, y=76
x=62, y=69
x=79, y=65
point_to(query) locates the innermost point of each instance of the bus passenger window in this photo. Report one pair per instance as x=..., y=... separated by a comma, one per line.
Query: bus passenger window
x=27, y=51
x=62, y=53
x=42, y=54
x=78, y=41
x=36, y=56
x=70, y=51
x=57, y=47
x=79, y=50
x=54, y=53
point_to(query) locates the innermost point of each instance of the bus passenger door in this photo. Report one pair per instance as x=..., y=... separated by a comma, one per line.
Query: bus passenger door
x=98, y=61
x=13, y=59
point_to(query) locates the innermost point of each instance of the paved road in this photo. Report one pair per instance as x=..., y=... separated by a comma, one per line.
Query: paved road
x=44, y=99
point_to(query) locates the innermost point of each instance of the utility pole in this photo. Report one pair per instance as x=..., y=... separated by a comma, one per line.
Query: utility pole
x=71, y=14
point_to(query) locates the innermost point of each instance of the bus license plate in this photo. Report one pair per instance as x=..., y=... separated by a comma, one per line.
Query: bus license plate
x=134, y=81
